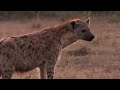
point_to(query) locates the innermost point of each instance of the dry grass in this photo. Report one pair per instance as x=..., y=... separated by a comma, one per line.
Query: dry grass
x=99, y=59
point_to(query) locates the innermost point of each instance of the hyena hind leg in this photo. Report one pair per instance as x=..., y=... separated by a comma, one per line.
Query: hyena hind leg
x=42, y=71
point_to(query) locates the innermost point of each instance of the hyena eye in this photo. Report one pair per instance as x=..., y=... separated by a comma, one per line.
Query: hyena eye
x=83, y=30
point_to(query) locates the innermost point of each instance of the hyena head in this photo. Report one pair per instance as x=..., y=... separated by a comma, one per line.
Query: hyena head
x=81, y=29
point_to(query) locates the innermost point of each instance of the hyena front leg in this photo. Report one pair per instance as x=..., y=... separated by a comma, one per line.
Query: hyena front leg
x=43, y=71
x=51, y=64
x=47, y=70
x=50, y=71
x=7, y=73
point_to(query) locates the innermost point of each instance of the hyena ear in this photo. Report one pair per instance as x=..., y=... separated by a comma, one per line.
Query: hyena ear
x=87, y=21
x=72, y=25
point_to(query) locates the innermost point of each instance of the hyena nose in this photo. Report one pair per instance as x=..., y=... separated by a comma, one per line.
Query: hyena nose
x=93, y=37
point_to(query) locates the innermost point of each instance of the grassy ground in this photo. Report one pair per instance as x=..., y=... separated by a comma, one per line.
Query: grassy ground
x=99, y=59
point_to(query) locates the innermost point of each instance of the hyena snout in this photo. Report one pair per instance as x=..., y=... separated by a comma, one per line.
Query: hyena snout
x=88, y=37
x=92, y=37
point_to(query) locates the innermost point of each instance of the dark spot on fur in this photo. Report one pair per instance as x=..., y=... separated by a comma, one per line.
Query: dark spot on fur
x=32, y=49
x=8, y=45
x=38, y=48
x=49, y=72
x=29, y=54
x=36, y=51
x=5, y=71
x=42, y=52
x=29, y=47
x=3, y=65
x=31, y=42
x=11, y=46
x=21, y=46
x=3, y=46
x=50, y=77
x=38, y=56
x=3, y=53
x=8, y=55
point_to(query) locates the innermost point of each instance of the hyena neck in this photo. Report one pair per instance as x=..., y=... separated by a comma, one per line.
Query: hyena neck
x=67, y=39
x=66, y=36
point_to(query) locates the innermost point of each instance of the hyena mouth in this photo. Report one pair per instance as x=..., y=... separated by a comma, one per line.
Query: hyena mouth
x=89, y=39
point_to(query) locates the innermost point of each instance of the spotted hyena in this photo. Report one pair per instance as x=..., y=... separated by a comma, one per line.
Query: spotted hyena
x=40, y=49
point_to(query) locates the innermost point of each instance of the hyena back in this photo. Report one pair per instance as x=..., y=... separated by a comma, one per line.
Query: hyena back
x=40, y=49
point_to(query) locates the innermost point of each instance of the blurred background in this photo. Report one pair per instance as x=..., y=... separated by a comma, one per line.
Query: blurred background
x=82, y=60
x=24, y=15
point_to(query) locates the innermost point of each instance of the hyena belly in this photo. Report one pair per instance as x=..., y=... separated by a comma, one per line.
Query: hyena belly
x=34, y=51
x=22, y=53
x=29, y=58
